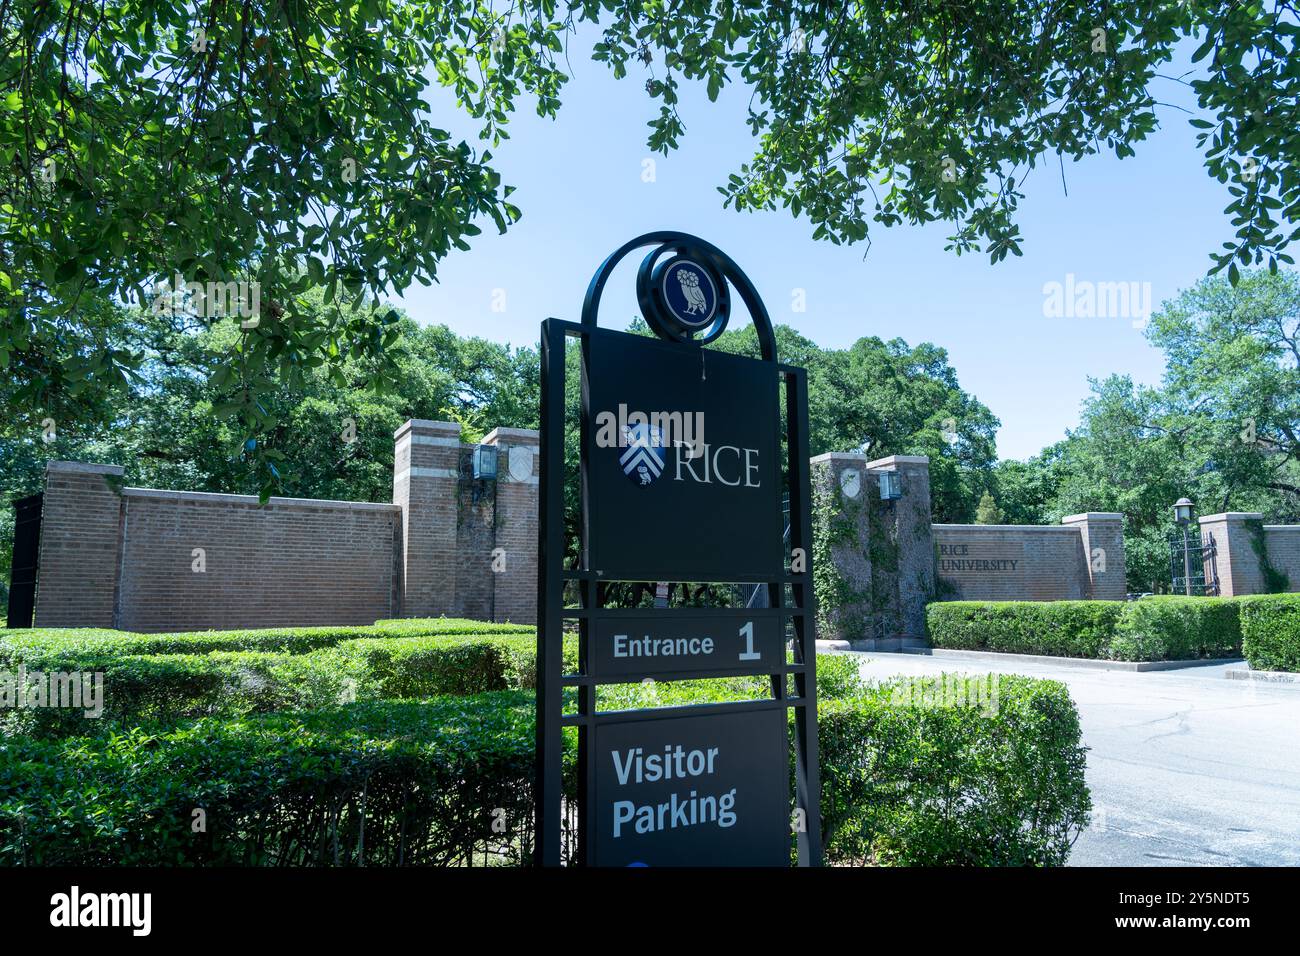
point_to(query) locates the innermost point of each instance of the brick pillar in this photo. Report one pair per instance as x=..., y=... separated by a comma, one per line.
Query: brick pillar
x=80, y=546
x=1282, y=544
x=1230, y=559
x=426, y=458
x=1102, y=534
x=515, y=585
x=908, y=523
x=842, y=500
x=882, y=551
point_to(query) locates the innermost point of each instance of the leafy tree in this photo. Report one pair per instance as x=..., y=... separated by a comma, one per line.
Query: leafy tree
x=1122, y=459
x=329, y=437
x=288, y=143
x=1233, y=380
x=889, y=398
x=947, y=108
x=988, y=512
x=1221, y=429
x=1024, y=489
x=284, y=143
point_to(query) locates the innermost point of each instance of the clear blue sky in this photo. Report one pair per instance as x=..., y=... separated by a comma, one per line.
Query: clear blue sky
x=1153, y=218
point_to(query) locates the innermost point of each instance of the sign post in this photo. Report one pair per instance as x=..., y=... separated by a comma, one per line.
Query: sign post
x=681, y=481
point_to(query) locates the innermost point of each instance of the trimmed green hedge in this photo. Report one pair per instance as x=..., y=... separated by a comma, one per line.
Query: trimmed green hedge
x=166, y=688
x=837, y=676
x=1058, y=628
x=1178, y=629
x=407, y=783
x=995, y=779
x=171, y=687
x=1270, y=631
x=23, y=644
x=393, y=783
x=1151, y=629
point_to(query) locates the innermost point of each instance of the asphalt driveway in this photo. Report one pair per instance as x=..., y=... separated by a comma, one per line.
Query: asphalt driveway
x=1186, y=767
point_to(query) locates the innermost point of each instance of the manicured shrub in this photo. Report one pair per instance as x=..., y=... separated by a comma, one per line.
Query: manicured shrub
x=1176, y=628
x=1270, y=631
x=171, y=687
x=1152, y=629
x=422, y=783
x=915, y=775
x=1058, y=628
x=393, y=783
x=423, y=667
x=395, y=626
x=837, y=676
x=17, y=645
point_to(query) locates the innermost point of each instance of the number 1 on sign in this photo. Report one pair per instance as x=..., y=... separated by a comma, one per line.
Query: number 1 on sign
x=747, y=632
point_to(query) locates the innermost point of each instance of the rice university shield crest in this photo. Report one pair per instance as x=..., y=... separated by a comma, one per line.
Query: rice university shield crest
x=643, y=458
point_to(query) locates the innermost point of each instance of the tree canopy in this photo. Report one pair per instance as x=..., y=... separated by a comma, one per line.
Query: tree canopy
x=289, y=143
x=330, y=435
x=1220, y=429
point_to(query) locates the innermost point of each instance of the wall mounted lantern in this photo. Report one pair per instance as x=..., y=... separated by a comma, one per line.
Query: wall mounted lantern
x=891, y=486
x=485, y=461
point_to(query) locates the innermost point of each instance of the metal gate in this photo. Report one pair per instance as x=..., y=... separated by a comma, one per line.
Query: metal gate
x=26, y=556
x=1191, y=561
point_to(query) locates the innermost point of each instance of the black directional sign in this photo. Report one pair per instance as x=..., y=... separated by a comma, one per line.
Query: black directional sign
x=682, y=473
x=712, y=790
x=669, y=644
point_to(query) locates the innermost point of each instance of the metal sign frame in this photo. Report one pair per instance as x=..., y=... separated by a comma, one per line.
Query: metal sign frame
x=25, y=567
x=590, y=613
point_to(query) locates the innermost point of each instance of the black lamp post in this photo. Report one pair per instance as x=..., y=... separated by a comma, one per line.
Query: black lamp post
x=1183, y=517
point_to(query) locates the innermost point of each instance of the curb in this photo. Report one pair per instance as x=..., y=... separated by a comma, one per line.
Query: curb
x=1267, y=677
x=830, y=647
x=1080, y=662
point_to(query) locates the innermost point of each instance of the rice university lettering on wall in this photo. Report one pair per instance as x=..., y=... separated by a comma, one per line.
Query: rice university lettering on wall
x=955, y=558
x=681, y=475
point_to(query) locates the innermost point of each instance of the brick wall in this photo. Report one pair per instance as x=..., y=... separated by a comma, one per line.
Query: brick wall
x=80, y=534
x=453, y=545
x=426, y=466
x=1283, y=549
x=913, y=540
x=290, y=562
x=126, y=557
x=516, y=519
x=1011, y=562
x=844, y=497
x=470, y=544
x=1232, y=564
x=892, y=561
x=449, y=544
x=1103, y=551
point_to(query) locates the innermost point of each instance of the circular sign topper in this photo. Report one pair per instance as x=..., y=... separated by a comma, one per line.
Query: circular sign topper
x=689, y=293
x=684, y=288
x=683, y=296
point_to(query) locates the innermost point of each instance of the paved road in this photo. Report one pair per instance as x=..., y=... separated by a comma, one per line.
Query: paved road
x=1186, y=767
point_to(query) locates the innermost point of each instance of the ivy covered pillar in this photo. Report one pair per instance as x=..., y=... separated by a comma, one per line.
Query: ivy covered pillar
x=873, y=559
x=905, y=524
x=1235, y=551
x=841, y=530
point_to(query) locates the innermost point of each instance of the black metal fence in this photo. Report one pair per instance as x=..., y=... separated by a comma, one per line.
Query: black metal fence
x=1187, y=560
x=26, y=554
